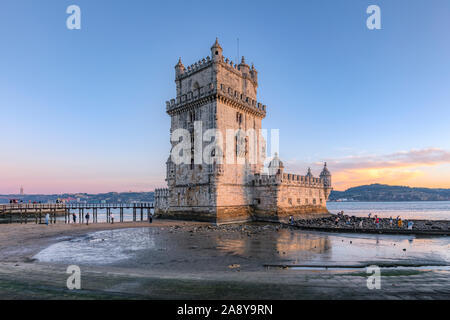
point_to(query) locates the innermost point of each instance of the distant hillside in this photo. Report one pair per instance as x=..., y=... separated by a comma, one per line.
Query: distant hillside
x=381, y=192
x=111, y=197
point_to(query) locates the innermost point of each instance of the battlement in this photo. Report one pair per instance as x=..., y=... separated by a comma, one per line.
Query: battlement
x=193, y=68
x=241, y=69
x=206, y=62
x=291, y=178
x=190, y=96
x=222, y=91
x=287, y=178
x=164, y=192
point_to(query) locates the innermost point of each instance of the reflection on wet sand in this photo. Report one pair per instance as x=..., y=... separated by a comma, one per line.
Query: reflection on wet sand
x=215, y=250
x=284, y=244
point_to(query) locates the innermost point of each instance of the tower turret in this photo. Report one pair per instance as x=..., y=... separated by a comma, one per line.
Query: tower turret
x=179, y=68
x=325, y=176
x=216, y=51
x=276, y=166
x=244, y=68
x=254, y=74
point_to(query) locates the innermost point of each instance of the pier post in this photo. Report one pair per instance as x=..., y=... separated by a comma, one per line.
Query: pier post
x=121, y=214
x=26, y=216
x=142, y=213
x=40, y=215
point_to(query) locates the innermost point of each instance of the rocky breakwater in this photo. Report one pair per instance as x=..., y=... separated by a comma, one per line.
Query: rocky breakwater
x=345, y=223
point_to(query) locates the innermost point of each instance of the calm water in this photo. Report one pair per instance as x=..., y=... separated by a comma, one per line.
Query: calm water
x=432, y=210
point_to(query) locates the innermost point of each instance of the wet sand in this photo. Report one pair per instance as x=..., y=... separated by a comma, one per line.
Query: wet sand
x=195, y=266
x=20, y=242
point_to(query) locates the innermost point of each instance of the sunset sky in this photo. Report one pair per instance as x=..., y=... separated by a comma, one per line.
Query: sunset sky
x=84, y=110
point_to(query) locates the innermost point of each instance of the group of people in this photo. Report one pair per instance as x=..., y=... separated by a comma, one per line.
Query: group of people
x=88, y=216
x=111, y=217
x=340, y=216
x=397, y=222
x=373, y=220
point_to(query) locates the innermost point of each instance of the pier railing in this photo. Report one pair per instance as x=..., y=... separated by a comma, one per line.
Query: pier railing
x=23, y=212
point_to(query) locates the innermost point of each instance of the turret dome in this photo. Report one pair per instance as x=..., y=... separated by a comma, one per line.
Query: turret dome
x=276, y=162
x=325, y=171
x=276, y=165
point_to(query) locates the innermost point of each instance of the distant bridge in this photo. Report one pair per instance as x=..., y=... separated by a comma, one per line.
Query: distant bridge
x=28, y=212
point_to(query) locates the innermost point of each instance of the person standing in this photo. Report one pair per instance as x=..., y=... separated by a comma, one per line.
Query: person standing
x=390, y=221
x=377, y=222
x=112, y=218
x=87, y=216
x=47, y=218
x=74, y=217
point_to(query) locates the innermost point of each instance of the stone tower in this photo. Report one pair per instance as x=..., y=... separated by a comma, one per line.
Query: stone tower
x=224, y=182
x=220, y=95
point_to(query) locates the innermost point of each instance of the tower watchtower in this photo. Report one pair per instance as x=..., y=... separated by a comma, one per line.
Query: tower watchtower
x=221, y=95
x=218, y=95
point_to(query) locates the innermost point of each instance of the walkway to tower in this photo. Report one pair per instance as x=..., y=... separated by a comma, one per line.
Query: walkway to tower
x=25, y=213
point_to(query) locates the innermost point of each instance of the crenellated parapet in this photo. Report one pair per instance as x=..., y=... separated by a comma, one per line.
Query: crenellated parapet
x=193, y=68
x=239, y=98
x=287, y=179
x=163, y=192
x=242, y=69
x=296, y=179
x=199, y=96
x=161, y=200
x=222, y=92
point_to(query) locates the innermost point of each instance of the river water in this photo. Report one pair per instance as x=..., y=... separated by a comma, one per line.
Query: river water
x=430, y=210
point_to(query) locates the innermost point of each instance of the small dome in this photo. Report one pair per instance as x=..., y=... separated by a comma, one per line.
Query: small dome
x=276, y=162
x=325, y=171
x=309, y=174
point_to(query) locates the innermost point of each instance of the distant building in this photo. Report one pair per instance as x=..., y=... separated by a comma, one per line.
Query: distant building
x=222, y=96
x=21, y=191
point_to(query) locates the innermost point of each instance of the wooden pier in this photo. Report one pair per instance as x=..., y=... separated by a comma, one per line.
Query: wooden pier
x=24, y=213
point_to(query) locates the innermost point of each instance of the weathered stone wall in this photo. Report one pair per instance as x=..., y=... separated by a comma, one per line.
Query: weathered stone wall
x=161, y=201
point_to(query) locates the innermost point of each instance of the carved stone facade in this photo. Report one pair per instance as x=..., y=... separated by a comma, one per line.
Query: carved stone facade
x=221, y=96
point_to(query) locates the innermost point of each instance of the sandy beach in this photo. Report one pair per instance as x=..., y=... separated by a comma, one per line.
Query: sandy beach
x=185, y=260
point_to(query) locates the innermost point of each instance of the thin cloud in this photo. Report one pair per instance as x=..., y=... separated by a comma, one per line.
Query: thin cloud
x=394, y=168
x=402, y=159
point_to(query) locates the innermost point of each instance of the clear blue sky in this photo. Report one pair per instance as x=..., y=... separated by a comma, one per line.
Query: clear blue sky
x=84, y=110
